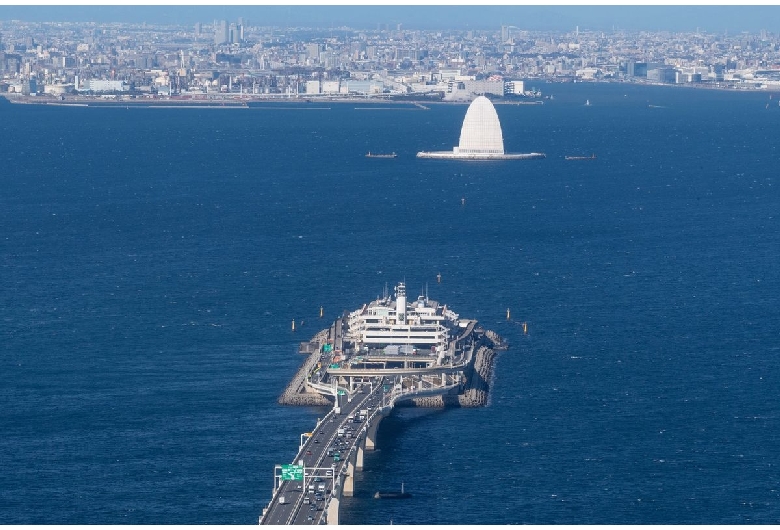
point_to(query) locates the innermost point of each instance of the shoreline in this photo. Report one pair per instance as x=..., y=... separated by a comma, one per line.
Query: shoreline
x=244, y=101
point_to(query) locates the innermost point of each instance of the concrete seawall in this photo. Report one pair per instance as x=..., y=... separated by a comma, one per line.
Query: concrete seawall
x=296, y=392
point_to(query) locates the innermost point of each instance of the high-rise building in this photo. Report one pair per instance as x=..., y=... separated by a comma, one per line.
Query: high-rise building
x=236, y=33
x=313, y=51
x=221, y=32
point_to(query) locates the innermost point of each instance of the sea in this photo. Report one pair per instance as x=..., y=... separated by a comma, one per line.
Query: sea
x=153, y=260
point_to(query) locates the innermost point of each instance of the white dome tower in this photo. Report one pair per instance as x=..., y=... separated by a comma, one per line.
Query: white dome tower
x=481, y=131
x=480, y=137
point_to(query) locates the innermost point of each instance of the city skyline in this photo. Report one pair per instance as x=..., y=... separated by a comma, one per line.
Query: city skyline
x=706, y=18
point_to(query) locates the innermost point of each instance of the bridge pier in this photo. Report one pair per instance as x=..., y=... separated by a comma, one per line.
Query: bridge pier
x=371, y=431
x=349, y=480
x=359, y=457
x=332, y=515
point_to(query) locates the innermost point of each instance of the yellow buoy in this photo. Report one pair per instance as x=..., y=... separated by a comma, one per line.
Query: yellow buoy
x=525, y=328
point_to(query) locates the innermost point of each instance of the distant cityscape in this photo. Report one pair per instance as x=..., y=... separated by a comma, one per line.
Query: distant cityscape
x=234, y=59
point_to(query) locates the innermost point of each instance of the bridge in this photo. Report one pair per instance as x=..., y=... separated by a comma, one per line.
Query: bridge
x=364, y=381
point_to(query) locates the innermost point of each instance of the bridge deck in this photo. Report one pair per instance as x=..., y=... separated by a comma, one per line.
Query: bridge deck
x=321, y=467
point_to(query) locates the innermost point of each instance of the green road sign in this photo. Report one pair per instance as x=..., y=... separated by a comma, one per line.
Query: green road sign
x=341, y=392
x=292, y=472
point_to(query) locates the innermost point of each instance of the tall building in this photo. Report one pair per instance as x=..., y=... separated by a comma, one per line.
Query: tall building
x=313, y=51
x=236, y=34
x=221, y=32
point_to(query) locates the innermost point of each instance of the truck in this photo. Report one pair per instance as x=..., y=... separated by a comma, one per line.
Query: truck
x=340, y=432
x=363, y=414
x=282, y=500
x=337, y=410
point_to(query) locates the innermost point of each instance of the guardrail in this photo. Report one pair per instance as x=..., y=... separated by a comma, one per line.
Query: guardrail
x=389, y=400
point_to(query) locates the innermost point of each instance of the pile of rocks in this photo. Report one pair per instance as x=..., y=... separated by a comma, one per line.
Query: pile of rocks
x=475, y=392
x=478, y=385
x=296, y=392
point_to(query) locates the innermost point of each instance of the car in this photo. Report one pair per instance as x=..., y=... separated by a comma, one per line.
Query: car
x=317, y=479
x=310, y=518
x=316, y=441
x=308, y=452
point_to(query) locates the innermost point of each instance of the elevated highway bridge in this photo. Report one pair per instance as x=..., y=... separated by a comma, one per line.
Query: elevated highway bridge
x=329, y=455
x=365, y=379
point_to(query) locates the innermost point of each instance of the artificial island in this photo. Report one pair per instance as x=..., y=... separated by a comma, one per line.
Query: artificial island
x=480, y=137
x=391, y=352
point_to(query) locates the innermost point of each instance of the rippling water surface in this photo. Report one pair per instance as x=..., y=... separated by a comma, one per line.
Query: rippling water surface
x=152, y=260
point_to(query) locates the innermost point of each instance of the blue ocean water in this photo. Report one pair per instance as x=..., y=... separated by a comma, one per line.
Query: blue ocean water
x=152, y=260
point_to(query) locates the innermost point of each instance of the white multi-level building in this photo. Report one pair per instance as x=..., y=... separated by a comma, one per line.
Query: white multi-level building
x=402, y=327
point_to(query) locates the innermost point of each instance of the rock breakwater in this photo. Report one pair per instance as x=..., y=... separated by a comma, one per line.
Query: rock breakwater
x=473, y=394
x=296, y=392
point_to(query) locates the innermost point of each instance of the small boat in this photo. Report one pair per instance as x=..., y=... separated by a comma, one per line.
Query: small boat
x=591, y=157
x=392, y=494
x=587, y=103
x=380, y=155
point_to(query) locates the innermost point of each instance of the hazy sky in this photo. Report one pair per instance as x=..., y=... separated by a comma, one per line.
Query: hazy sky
x=733, y=19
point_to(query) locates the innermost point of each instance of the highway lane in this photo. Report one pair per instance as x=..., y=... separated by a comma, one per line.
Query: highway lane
x=323, y=456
